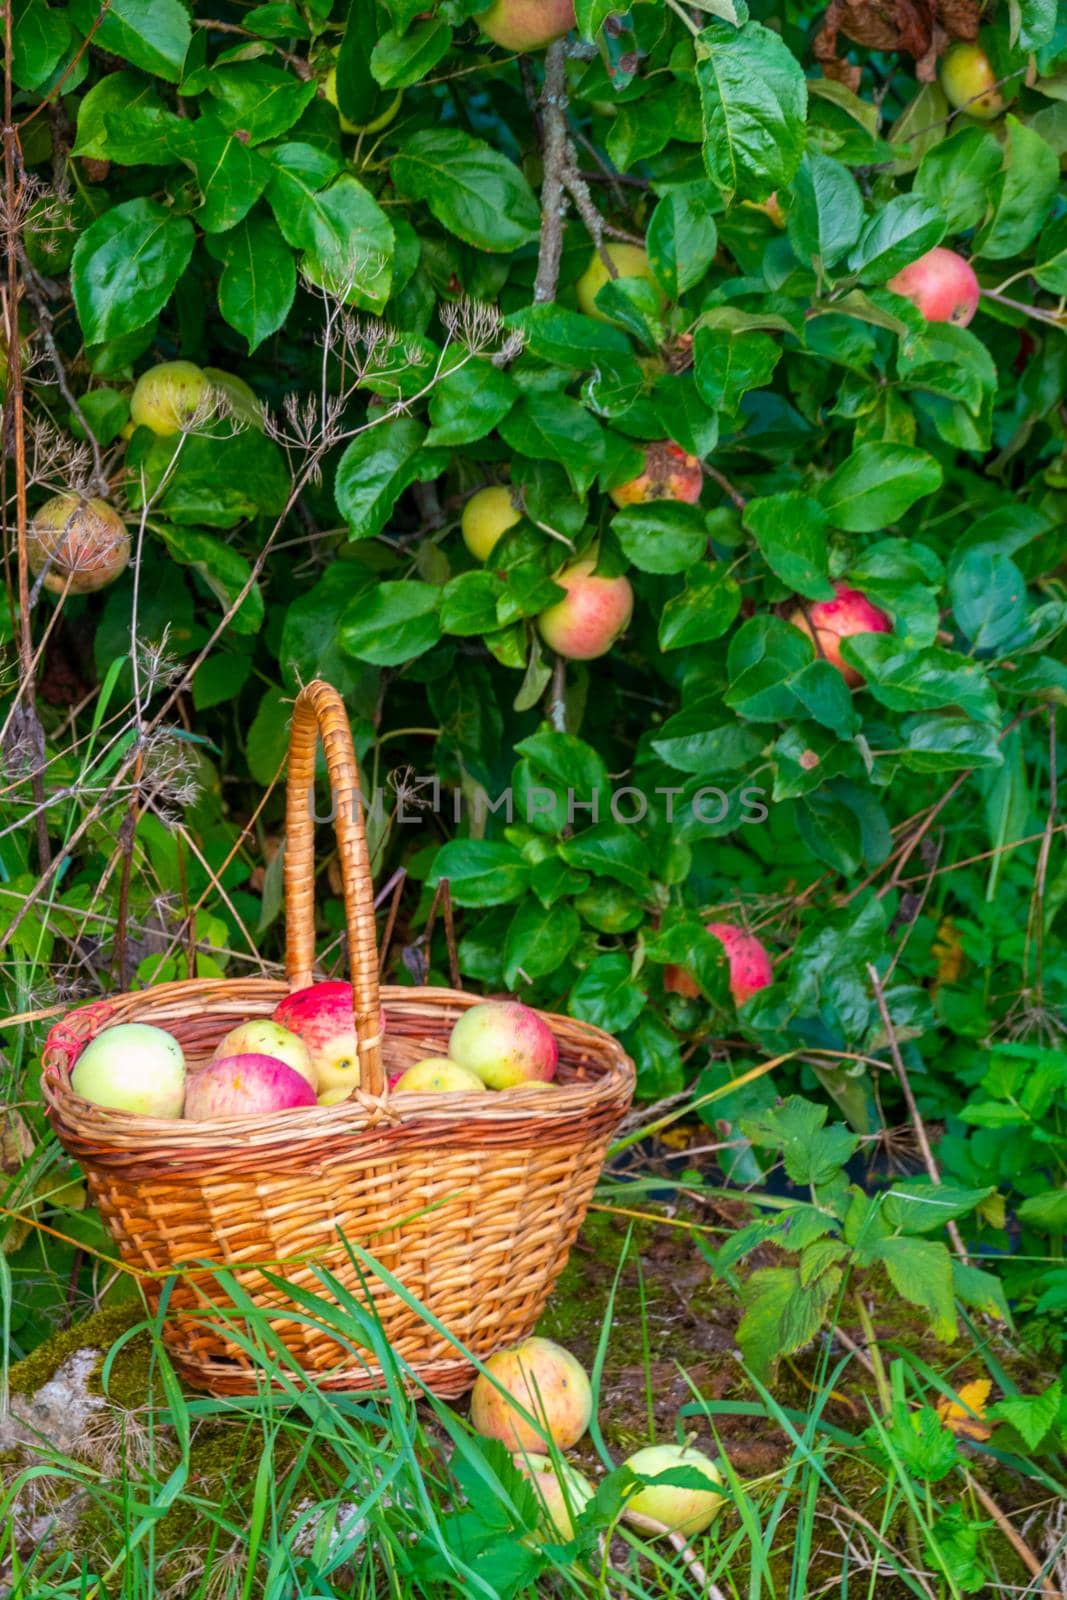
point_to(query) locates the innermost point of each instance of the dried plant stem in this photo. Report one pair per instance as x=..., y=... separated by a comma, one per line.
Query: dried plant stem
x=1049, y=1589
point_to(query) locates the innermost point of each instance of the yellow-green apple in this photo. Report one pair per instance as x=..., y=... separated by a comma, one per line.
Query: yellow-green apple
x=591, y=616
x=80, y=545
x=942, y=284
x=527, y=24
x=684, y=1511
x=329, y=93
x=322, y=1016
x=669, y=473
x=245, y=1086
x=487, y=516
x=168, y=397
x=132, y=1067
x=629, y=261
x=750, y=965
x=504, y=1043
x=263, y=1037
x=969, y=81
x=546, y=1381
x=563, y=1492
x=827, y=622
x=438, y=1075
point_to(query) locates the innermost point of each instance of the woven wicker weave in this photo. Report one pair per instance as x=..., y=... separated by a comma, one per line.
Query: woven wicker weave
x=471, y=1201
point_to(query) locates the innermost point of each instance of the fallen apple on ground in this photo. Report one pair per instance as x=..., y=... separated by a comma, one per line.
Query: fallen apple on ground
x=563, y=1491
x=132, y=1067
x=680, y=1510
x=79, y=545
x=263, y=1037
x=504, y=1043
x=588, y=620
x=245, y=1086
x=547, y=1382
x=750, y=965
x=827, y=622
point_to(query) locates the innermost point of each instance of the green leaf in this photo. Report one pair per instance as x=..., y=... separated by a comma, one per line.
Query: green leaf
x=876, y=485
x=919, y=1206
x=469, y=403
x=754, y=100
x=258, y=280
x=610, y=850
x=662, y=535
x=347, y=239
x=40, y=40
x=310, y=643
x=703, y=611
x=218, y=480
x=949, y=744
x=556, y=428
x=1036, y=23
x=921, y=680
x=1046, y=1211
x=957, y=175
x=399, y=59
x=826, y=212
x=920, y=1441
x=764, y=654
x=1033, y=1416
x=591, y=15
x=480, y=872
x=357, y=93
x=224, y=570
x=681, y=238
x=392, y=623
x=728, y=363
x=474, y=191
x=920, y=1270
x=375, y=469
x=898, y=233
x=538, y=941
x=268, y=737
x=231, y=176
x=126, y=265
x=1022, y=194
x=988, y=594
x=1051, y=268
x=606, y=994
x=782, y=1315
x=790, y=529
x=692, y=741
x=151, y=34
x=118, y=92
x=258, y=101
x=469, y=604
x=812, y=1153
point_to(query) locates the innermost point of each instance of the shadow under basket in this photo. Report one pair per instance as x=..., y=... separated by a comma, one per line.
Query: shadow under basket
x=470, y=1201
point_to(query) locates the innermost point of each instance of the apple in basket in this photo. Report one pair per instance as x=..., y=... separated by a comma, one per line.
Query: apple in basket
x=438, y=1074
x=262, y=1037
x=505, y=1043
x=132, y=1067
x=562, y=1491
x=245, y=1086
x=545, y=1380
x=322, y=1016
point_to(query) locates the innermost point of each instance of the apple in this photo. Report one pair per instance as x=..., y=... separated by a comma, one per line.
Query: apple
x=629, y=260
x=827, y=622
x=670, y=473
x=595, y=611
x=262, y=1037
x=750, y=965
x=168, y=397
x=322, y=1016
x=942, y=284
x=245, y=1086
x=438, y=1074
x=527, y=24
x=562, y=1490
x=80, y=545
x=547, y=1381
x=486, y=518
x=132, y=1067
x=969, y=81
x=329, y=93
x=333, y=1097
x=504, y=1043
x=684, y=1511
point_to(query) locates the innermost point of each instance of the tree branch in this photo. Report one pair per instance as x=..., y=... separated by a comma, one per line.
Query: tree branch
x=554, y=154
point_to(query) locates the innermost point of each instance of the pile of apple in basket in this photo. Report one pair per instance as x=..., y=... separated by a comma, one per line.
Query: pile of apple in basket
x=305, y=1053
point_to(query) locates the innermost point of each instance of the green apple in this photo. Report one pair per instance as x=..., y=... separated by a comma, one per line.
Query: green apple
x=132, y=1067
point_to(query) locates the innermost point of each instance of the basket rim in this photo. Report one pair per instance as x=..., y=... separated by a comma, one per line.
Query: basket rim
x=492, y=1110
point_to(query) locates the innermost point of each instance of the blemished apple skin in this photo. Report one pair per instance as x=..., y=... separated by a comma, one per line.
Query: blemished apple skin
x=587, y=622
x=750, y=965
x=80, y=545
x=941, y=284
x=968, y=79
x=547, y=1381
x=132, y=1067
x=243, y=1086
x=486, y=518
x=848, y=613
x=321, y=1015
x=167, y=397
x=629, y=260
x=527, y=24
x=684, y=1511
x=670, y=473
x=263, y=1037
x=504, y=1043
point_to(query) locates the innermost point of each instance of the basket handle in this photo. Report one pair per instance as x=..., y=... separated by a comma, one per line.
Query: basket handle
x=319, y=712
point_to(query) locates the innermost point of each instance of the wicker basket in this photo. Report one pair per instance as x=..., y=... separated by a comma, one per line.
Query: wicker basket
x=471, y=1201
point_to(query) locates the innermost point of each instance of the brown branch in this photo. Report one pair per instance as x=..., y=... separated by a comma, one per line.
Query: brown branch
x=1049, y=1588
x=554, y=155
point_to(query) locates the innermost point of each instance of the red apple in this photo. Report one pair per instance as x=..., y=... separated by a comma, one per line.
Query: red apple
x=827, y=622
x=546, y=1381
x=244, y=1086
x=527, y=24
x=669, y=474
x=942, y=284
x=77, y=543
x=504, y=1043
x=322, y=1016
x=587, y=622
x=750, y=965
